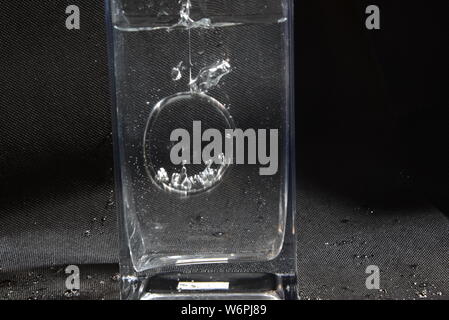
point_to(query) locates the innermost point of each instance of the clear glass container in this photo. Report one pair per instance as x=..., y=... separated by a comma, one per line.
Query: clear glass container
x=203, y=144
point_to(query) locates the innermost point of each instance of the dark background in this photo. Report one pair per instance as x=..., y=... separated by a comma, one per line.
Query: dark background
x=372, y=151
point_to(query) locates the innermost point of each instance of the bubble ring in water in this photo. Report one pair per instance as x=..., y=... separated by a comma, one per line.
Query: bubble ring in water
x=152, y=169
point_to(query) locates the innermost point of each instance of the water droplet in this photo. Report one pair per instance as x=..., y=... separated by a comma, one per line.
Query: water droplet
x=199, y=218
x=158, y=226
x=422, y=294
x=116, y=277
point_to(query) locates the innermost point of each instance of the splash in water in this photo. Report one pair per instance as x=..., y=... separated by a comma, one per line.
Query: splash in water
x=186, y=21
x=181, y=181
x=207, y=78
x=210, y=76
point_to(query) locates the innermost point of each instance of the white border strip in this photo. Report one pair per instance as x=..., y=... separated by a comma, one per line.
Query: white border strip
x=203, y=286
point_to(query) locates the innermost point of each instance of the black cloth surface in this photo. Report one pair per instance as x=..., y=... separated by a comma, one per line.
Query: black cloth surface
x=371, y=136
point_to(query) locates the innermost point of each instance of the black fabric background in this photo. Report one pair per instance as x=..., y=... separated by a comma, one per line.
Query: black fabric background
x=371, y=141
